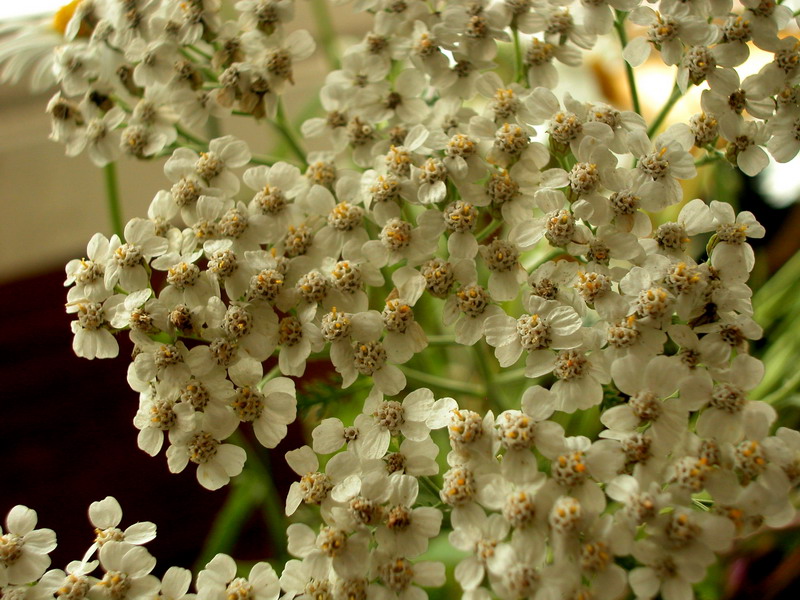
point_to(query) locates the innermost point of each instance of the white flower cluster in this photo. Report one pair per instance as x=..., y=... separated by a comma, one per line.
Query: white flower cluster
x=453, y=184
x=124, y=565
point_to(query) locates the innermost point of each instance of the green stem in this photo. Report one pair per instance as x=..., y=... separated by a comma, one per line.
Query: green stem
x=429, y=484
x=112, y=197
x=673, y=98
x=519, y=69
x=512, y=376
x=191, y=137
x=272, y=506
x=325, y=31
x=229, y=520
x=450, y=385
x=619, y=25
x=270, y=375
x=709, y=159
x=264, y=159
x=784, y=391
x=197, y=50
x=771, y=296
x=281, y=125
x=441, y=340
x=488, y=230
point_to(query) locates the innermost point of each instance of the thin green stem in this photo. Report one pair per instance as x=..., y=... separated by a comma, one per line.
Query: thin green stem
x=430, y=485
x=112, y=197
x=272, y=507
x=488, y=230
x=191, y=137
x=787, y=389
x=264, y=159
x=441, y=340
x=281, y=125
x=709, y=159
x=325, y=31
x=270, y=375
x=450, y=385
x=665, y=110
x=230, y=520
x=619, y=25
x=519, y=69
x=197, y=50
x=512, y=376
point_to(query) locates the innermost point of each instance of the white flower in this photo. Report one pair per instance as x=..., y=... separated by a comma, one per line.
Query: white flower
x=478, y=534
x=88, y=273
x=729, y=416
x=662, y=163
x=218, y=581
x=732, y=255
x=398, y=575
x=270, y=409
x=340, y=482
x=127, y=575
x=126, y=261
x=746, y=140
x=105, y=516
x=213, y=167
x=157, y=415
x=92, y=336
x=649, y=384
x=216, y=462
x=23, y=549
x=546, y=325
x=348, y=555
x=413, y=418
x=673, y=573
x=405, y=529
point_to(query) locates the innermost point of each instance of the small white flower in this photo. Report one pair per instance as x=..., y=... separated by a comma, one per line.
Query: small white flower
x=23, y=549
x=218, y=581
x=105, y=516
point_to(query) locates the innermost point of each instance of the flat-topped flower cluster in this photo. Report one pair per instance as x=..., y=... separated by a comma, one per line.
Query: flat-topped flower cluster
x=519, y=218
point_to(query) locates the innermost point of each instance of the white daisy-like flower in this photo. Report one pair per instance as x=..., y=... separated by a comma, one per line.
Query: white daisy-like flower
x=92, y=336
x=216, y=461
x=75, y=580
x=405, y=529
x=673, y=573
x=126, y=261
x=213, y=167
x=732, y=255
x=729, y=416
x=157, y=415
x=270, y=408
x=338, y=483
x=662, y=163
x=648, y=384
x=414, y=418
x=347, y=554
x=580, y=373
x=218, y=581
x=469, y=308
x=88, y=274
x=667, y=32
x=400, y=577
x=476, y=533
x=23, y=549
x=746, y=143
x=127, y=573
x=105, y=515
x=547, y=324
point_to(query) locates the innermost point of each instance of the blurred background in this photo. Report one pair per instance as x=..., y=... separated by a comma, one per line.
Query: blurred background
x=68, y=437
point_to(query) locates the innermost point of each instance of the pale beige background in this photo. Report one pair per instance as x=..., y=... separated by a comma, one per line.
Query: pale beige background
x=52, y=204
